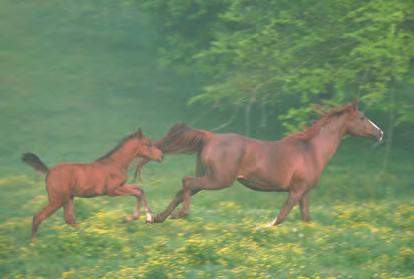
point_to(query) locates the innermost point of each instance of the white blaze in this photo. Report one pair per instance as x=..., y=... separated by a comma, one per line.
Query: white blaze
x=373, y=124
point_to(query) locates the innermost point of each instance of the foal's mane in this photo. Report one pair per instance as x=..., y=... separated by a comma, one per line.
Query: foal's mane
x=118, y=146
x=325, y=117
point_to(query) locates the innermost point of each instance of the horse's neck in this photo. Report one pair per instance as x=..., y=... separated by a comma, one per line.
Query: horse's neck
x=122, y=157
x=328, y=139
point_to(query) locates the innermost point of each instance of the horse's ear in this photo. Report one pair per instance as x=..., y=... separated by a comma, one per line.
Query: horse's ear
x=319, y=110
x=355, y=104
x=139, y=133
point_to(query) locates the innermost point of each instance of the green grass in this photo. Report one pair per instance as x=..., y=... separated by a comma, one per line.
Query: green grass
x=75, y=79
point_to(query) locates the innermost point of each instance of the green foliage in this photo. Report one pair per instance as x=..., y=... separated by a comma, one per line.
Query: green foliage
x=307, y=51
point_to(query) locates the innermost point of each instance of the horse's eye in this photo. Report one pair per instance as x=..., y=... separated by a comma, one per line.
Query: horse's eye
x=362, y=117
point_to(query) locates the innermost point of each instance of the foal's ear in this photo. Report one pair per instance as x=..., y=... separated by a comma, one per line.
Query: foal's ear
x=139, y=133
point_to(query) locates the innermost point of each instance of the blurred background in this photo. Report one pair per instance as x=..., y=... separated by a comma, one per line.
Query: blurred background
x=78, y=76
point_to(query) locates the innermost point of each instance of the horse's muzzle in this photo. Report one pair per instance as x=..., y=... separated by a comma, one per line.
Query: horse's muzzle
x=380, y=135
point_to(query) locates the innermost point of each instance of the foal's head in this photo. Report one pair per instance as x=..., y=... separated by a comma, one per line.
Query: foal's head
x=358, y=124
x=145, y=148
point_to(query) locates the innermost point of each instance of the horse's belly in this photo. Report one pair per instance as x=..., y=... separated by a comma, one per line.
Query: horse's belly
x=262, y=184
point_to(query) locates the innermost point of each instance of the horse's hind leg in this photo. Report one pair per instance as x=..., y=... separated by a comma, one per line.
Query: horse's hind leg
x=182, y=212
x=42, y=215
x=192, y=185
x=69, y=212
x=199, y=172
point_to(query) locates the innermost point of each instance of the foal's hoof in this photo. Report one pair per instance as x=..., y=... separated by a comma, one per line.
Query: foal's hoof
x=149, y=218
x=130, y=218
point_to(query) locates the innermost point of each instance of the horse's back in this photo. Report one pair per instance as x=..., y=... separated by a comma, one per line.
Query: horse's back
x=223, y=153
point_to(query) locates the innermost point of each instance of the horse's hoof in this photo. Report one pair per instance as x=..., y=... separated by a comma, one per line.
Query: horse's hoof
x=158, y=219
x=178, y=215
x=263, y=226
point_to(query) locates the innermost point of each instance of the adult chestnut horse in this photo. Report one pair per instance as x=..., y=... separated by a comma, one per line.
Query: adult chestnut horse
x=105, y=176
x=292, y=164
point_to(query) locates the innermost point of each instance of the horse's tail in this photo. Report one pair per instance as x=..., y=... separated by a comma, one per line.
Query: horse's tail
x=34, y=161
x=180, y=139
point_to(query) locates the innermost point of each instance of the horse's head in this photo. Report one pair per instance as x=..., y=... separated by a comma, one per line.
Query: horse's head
x=146, y=148
x=359, y=125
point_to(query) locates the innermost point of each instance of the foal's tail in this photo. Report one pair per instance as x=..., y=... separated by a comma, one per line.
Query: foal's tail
x=180, y=139
x=34, y=161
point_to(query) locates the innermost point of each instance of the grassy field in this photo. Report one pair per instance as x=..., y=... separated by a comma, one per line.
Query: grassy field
x=73, y=85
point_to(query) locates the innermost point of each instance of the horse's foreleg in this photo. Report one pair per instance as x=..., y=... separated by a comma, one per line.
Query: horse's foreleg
x=292, y=200
x=304, y=207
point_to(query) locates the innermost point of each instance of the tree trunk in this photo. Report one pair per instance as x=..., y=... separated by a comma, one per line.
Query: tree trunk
x=389, y=135
x=247, y=120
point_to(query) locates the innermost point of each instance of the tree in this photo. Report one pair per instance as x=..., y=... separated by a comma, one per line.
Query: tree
x=295, y=53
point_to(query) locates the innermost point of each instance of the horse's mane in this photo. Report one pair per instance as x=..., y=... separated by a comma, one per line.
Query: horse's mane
x=325, y=116
x=118, y=146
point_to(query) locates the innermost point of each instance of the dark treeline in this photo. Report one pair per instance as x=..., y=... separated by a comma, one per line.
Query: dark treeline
x=284, y=56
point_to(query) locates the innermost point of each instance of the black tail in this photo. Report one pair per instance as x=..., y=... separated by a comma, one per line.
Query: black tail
x=180, y=139
x=34, y=161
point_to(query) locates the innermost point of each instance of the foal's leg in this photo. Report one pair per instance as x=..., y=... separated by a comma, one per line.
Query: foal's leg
x=304, y=207
x=132, y=190
x=69, y=212
x=43, y=214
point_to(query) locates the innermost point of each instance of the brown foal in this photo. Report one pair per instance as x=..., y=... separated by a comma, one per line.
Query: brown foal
x=105, y=176
x=293, y=164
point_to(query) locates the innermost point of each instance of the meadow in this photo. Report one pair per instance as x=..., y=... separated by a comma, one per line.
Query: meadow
x=70, y=94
